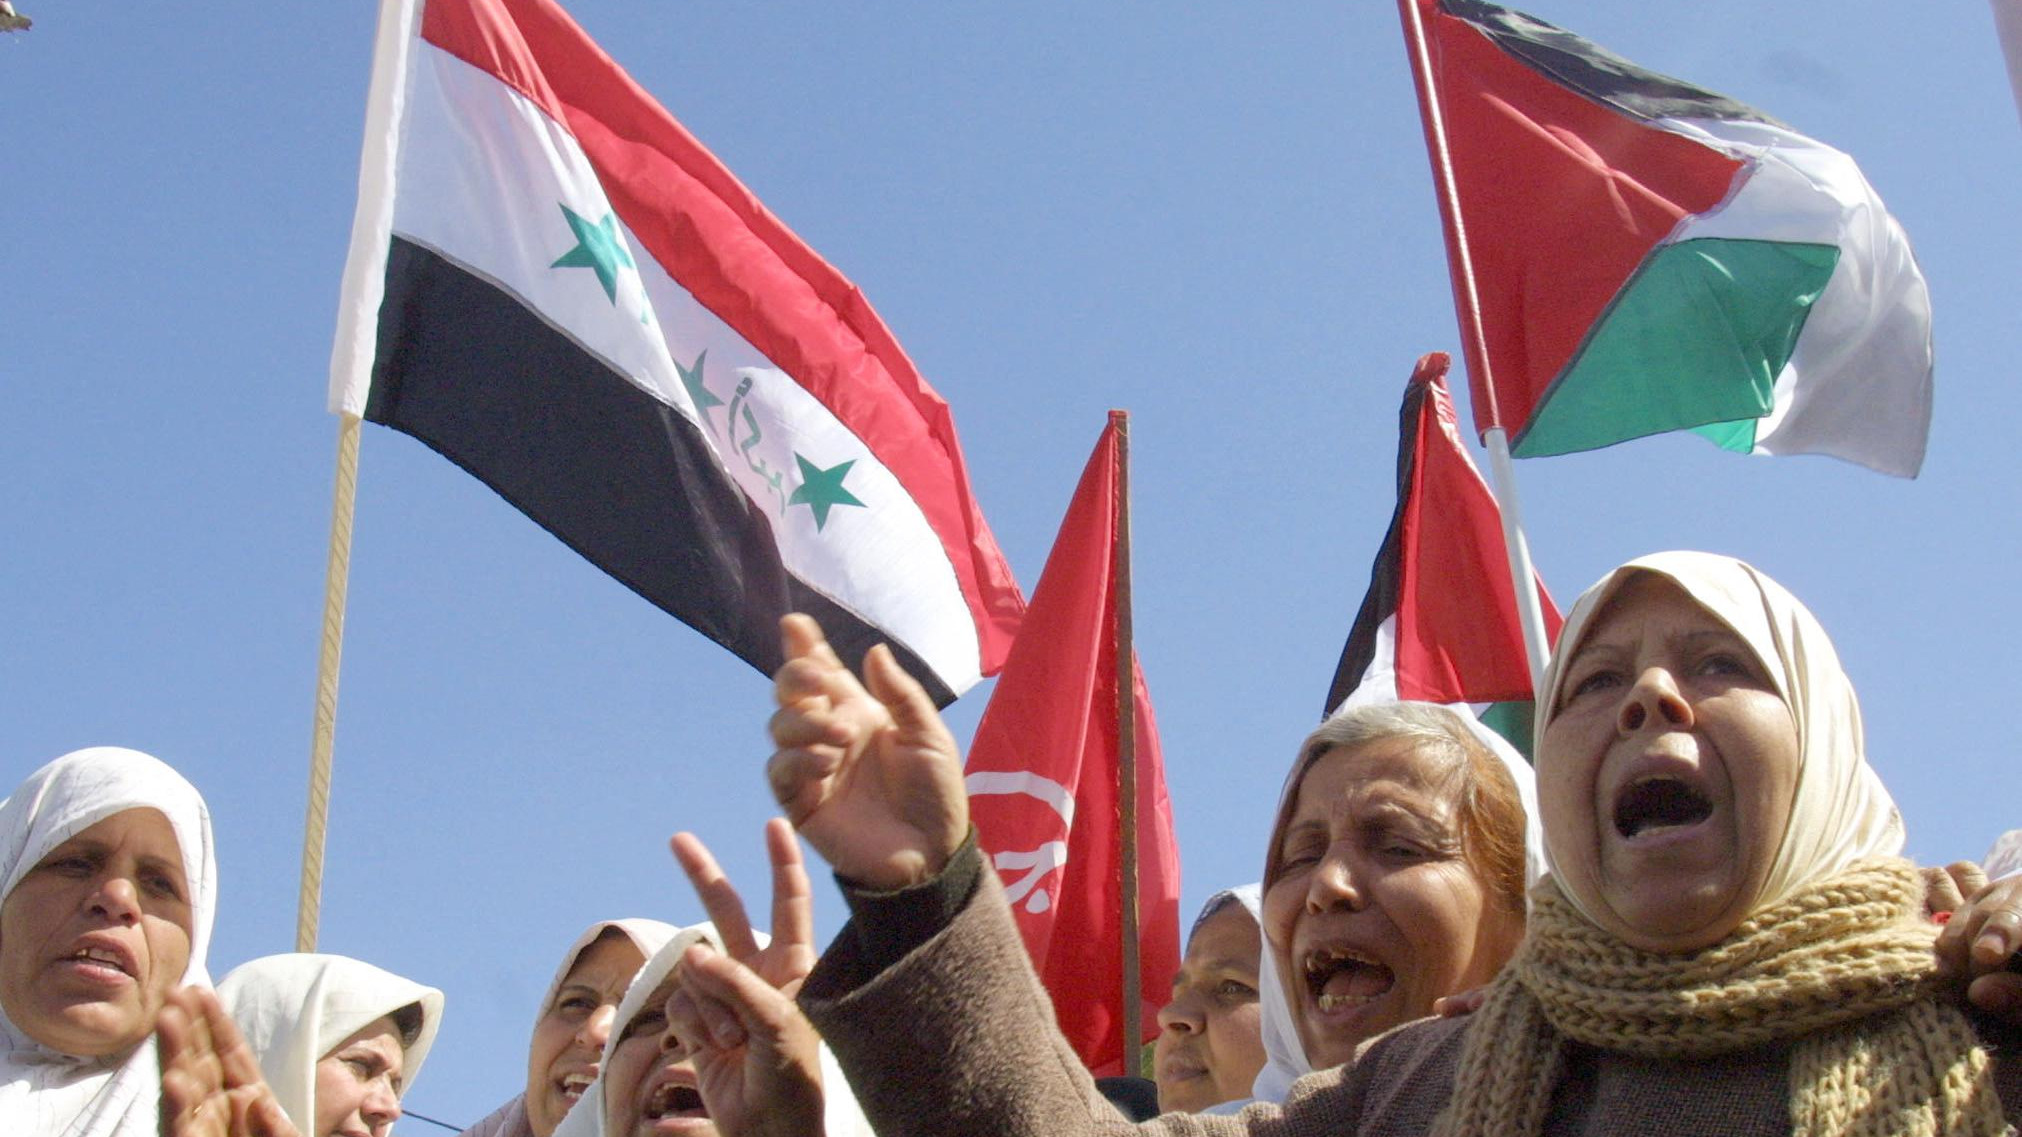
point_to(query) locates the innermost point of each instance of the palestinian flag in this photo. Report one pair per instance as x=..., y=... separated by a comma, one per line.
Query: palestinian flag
x=1439, y=622
x=555, y=286
x=1650, y=256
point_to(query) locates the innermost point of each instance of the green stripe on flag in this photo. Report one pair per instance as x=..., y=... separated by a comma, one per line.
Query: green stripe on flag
x=1515, y=722
x=1696, y=338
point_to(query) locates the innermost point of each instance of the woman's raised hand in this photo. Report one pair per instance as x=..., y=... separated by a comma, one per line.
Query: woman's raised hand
x=787, y=959
x=757, y=1058
x=210, y=1080
x=866, y=771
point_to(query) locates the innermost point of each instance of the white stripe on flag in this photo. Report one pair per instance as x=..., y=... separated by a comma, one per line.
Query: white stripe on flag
x=485, y=175
x=1858, y=385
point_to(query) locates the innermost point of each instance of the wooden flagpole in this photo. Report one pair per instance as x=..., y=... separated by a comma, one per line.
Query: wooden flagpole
x=336, y=583
x=1467, y=305
x=1126, y=756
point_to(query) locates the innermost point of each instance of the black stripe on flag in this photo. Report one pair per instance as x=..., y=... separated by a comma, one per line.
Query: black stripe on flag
x=618, y=476
x=1387, y=574
x=1594, y=71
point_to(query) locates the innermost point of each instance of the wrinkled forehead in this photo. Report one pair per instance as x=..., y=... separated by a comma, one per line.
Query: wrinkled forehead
x=1734, y=601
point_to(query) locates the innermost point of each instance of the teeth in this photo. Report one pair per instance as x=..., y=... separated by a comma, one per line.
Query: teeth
x=1343, y=1002
x=101, y=955
x=574, y=1085
x=1322, y=960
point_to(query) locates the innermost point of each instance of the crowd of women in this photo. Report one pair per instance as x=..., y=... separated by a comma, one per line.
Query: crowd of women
x=1695, y=919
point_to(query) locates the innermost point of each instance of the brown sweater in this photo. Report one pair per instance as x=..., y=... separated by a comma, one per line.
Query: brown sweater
x=956, y=1037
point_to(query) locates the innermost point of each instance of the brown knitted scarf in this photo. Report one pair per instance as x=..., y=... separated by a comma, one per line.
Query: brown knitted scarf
x=1843, y=968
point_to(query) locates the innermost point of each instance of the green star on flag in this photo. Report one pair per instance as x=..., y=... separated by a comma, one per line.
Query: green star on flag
x=820, y=489
x=700, y=394
x=597, y=248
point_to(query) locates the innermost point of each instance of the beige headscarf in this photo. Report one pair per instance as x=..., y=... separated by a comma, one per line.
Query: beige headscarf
x=296, y=1008
x=1841, y=812
x=1833, y=959
x=649, y=936
x=44, y=1093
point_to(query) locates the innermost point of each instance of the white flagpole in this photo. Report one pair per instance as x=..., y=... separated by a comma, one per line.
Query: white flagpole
x=1467, y=305
x=336, y=585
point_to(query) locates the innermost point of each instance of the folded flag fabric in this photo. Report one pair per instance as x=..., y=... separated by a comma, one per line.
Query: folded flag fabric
x=1042, y=778
x=1439, y=622
x=1650, y=256
x=2008, y=22
x=559, y=289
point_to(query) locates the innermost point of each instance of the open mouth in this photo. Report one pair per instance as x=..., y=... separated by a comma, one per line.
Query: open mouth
x=104, y=959
x=1659, y=803
x=675, y=1100
x=1340, y=978
x=574, y=1084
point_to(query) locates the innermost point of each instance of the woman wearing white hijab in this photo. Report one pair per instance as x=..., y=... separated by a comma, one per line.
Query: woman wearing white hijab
x=1361, y=726
x=339, y=1041
x=108, y=887
x=1208, y=1050
x=1728, y=941
x=574, y=1023
x=649, y=1087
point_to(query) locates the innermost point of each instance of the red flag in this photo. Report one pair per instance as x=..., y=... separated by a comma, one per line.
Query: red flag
x=1042, y=778
x=1439, y=622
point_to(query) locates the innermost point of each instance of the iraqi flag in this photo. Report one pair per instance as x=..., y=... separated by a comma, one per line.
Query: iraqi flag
x=1650, y=256
x=1042, y=776
x=1439, y=622
x=556, y=287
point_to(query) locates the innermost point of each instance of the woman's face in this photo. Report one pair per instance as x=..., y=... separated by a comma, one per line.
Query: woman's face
x=95, y=935
x=358, y=1084
x=1667, y=770
x=1209, y=1046
x=569, y=1038
x=650, y=1089
x=1375, y=912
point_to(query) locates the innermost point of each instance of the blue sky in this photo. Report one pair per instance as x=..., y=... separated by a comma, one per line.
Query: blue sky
x=1218, y=216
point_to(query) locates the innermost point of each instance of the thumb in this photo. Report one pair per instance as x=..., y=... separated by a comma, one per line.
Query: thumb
x=912, y=709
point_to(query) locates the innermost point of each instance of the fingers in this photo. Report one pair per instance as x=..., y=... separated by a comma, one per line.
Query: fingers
x=240, y=1066
x=800, y=780
x=910, y=705
x=792, y=896
x=1465, y=1003
x=696, y=1014
x=719, y=897
x=1998, y=935
x=735, y=1003
x=1942, y=891
x=1999, y=994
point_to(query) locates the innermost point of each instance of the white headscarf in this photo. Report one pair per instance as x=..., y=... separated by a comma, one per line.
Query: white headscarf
x=1840, y=812
x=841, y=1116
x=1251, y=897
x=44, y=1093
x=2005, y=858
x=1285, y=1058
x=295, y=1009
x=649, y=936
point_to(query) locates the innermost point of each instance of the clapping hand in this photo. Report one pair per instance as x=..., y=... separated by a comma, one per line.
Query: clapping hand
x=210, y=1079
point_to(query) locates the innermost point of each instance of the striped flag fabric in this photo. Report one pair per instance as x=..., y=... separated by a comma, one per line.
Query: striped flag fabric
x=1042, y=775
x=1439, y=622
x=555, y=286
x=1649, y=256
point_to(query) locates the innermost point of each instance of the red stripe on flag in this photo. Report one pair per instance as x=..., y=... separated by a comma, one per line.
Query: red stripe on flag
x=1458, y=635
x=1561, y=198
x=715, y=238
